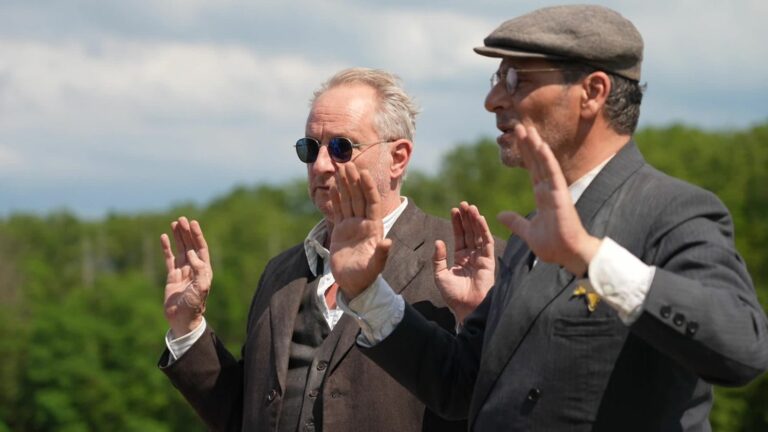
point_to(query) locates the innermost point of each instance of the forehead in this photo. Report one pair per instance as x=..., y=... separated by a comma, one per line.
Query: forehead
x=346, y=110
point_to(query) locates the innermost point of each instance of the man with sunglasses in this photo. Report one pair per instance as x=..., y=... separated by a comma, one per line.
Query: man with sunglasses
x=300, y=368
x=620, y=300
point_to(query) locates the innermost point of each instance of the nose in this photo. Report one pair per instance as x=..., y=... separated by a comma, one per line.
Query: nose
x=497, y=97
x=323, y=163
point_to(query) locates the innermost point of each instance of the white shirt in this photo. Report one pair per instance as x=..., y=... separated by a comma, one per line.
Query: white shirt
x=314, y=249
x=618, y=277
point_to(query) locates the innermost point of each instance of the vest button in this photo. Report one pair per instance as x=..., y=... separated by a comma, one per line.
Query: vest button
x=313, y=394
x=321, y=365
x=271, y=395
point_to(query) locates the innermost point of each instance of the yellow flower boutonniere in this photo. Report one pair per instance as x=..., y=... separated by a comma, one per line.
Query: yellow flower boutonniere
x=591, y=298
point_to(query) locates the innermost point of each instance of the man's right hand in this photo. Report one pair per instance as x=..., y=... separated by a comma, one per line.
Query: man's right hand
x=465, y=285
x=358, y=247
x=189, y=276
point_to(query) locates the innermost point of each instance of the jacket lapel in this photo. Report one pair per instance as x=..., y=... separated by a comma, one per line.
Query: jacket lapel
x=283, y=308
x=403, y=264
x=524, y=298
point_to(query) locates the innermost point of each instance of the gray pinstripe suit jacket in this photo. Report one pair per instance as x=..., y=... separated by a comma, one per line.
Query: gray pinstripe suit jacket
x=532, y=357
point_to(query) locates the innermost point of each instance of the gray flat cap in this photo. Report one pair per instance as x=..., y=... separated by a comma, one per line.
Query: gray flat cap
x=590, y=34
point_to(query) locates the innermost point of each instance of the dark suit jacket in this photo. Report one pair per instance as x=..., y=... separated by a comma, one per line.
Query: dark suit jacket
x=357, y=395
x=532, y=357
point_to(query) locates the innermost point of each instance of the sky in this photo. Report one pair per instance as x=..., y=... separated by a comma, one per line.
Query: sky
x=129, y=106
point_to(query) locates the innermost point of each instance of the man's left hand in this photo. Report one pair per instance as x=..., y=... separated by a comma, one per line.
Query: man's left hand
x=555, y=234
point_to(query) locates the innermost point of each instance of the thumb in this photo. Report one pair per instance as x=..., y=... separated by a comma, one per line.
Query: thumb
x=516, y=223
x=381, y=253
x=440, y=257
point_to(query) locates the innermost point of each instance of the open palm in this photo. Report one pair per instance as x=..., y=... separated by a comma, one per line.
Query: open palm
x=358, y=247
x=189, y=276
x=465, y=284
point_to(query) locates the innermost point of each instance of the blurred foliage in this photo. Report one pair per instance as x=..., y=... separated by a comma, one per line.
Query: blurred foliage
x=81, y=321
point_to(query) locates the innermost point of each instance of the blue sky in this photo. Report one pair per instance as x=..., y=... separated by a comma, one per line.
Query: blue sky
x=110, y=106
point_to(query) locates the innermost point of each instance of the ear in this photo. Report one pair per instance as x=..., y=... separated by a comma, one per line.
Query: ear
x=595, y=90
x=401, y=154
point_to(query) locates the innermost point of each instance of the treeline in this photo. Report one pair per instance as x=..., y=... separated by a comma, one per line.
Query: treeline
x=81, y=321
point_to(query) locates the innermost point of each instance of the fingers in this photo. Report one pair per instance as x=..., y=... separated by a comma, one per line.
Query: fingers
x=170, y=260
x=470, y=229
x=440, y=257
x=516, y=223
x=466, y=225
x=547, y=162
x=484, y=232
x=336, y=203
x=458, y=230
x=188, y=236
x=344, y=185
x=201, y=246
x=200, y=266
x=381, y=253
x=374, y=208
x=179, y=241
x=538, y=158
x=525, y=145
x=357, y=200
x=357, y=194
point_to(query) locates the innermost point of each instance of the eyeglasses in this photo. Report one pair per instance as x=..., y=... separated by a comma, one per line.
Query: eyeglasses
x=339, y=148
x=510, y=79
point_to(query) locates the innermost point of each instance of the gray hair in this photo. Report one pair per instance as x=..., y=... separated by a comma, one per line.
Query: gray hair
x=622, y=107
x=395, y=117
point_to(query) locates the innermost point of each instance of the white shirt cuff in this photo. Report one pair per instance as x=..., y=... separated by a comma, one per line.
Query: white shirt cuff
x=177, y=347
x=621, y=279
x=377, y=310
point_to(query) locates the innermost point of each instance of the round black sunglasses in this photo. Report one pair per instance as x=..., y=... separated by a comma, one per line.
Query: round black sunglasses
x=339, y=148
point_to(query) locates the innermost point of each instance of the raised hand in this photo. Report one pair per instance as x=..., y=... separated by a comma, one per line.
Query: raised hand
x=465, y=285
x=555, y=234
x=358, y=247
x=189, y=276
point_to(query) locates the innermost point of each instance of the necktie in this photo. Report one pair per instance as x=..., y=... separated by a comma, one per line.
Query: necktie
x=330, y=296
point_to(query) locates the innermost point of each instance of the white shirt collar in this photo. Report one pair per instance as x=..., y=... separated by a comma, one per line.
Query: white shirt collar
x=578, y=187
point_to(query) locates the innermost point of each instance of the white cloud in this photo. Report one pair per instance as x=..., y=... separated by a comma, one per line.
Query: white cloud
x=122, y=83
x=106, y=111
x=134, y=94
x=425, y=45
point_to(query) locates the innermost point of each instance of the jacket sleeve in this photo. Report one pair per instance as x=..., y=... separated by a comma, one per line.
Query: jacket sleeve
x=208, y=375
x=439, y=367
x=702, y=309
x=211, y=380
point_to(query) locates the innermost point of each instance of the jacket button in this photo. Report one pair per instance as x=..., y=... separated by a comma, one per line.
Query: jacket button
x=679, y=319
x=666, y=311
x=691, y=328
x=534, y=394
x=335, y=394
x=321, y=365
x=271, y=395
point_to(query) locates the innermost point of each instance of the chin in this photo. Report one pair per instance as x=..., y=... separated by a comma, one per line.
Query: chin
x=325, y=207
x=510, y=158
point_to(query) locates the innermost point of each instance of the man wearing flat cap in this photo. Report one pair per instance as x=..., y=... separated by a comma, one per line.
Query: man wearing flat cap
x=621, y=299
